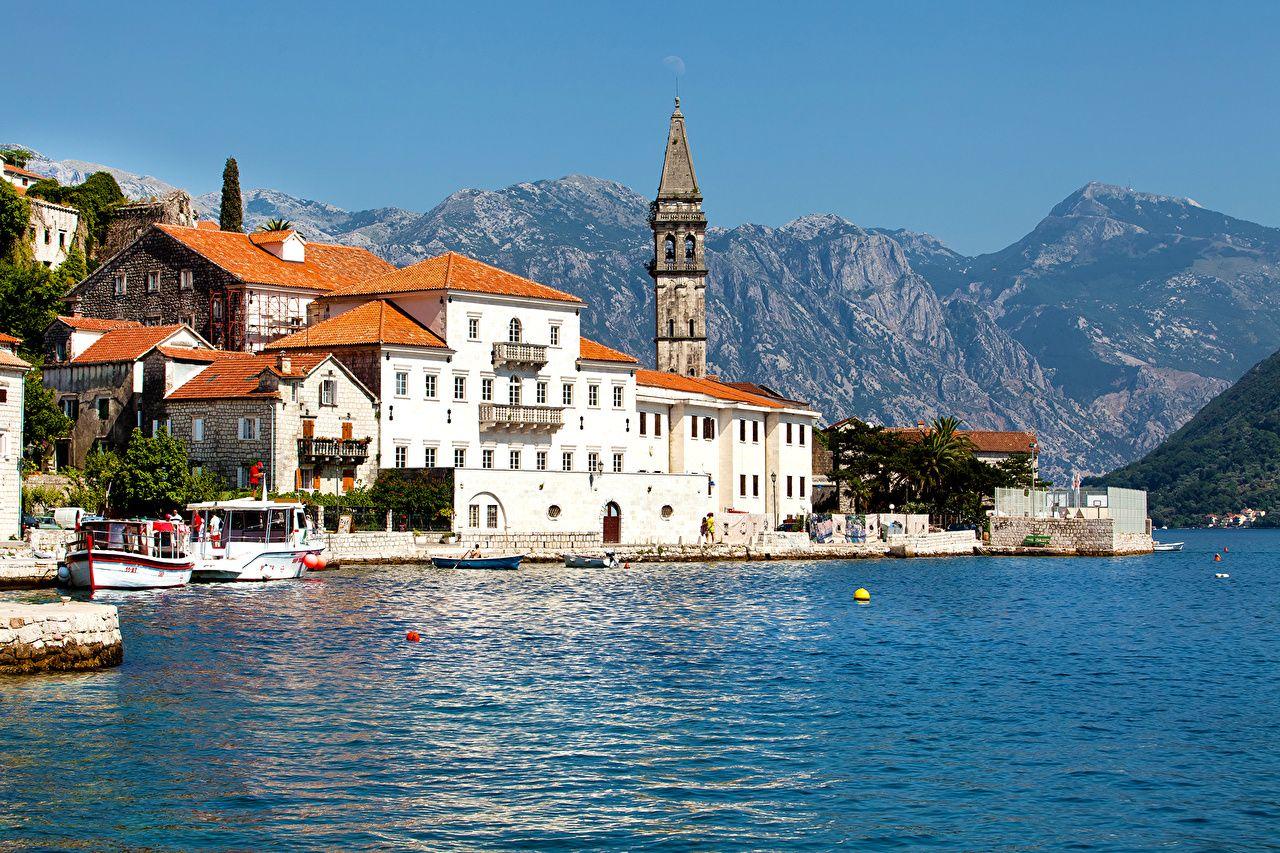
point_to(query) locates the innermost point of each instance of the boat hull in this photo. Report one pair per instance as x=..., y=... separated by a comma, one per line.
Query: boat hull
x=1167, y=546
x=579, y=561
x=497, y=563
x=265, y=566
x=115, y=570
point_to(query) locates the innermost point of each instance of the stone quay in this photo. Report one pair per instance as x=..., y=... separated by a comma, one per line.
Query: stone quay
x=59, y=637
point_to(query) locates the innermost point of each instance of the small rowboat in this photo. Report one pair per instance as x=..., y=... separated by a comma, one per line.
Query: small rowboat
x=499, y=563
x=1166, y=546
x=583, y=561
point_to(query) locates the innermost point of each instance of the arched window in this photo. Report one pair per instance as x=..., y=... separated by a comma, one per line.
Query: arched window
x=693, y=330
x=689, y=246
x=671, y=328
x=514, y=331
x=669, y=248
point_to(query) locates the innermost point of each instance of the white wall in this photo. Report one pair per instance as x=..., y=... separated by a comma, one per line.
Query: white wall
x=55, y=228
x=11, y=380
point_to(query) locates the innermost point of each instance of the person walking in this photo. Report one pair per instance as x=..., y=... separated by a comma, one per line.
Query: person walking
x=711, y=529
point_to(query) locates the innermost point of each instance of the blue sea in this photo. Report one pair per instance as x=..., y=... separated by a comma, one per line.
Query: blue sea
x=975, y=704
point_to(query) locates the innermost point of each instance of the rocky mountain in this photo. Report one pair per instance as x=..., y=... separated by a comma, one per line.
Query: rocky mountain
x=1225, y=459
x=75, y=171
x=1105, y=328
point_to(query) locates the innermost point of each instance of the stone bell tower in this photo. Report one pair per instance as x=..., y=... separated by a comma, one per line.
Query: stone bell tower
x=679, y=266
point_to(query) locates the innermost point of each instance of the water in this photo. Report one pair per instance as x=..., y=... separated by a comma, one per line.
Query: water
x=989, y=704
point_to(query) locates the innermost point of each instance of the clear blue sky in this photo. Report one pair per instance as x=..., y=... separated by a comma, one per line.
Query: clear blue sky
x=963, y=119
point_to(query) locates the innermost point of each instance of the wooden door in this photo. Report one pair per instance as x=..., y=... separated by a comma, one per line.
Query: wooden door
x=308, y=427
x=612, y=524
x=346, y=430
x=348, y=480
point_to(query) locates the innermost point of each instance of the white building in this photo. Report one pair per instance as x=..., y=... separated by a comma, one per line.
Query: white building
x=487, y=372
x=13, y=371
x=53, y=228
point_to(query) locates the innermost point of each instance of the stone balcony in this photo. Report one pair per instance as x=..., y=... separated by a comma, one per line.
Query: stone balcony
x=532, y=418
x=519, y=355
x=353, y=450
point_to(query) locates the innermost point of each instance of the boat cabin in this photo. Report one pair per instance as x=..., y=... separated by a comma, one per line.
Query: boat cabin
x=219, y=524
x=158, y=539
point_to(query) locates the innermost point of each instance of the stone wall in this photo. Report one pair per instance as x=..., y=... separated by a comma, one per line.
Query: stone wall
x=130, y=221
x=11, y=381
x=72, y=635
x=1067, y=536
x=222, y=449
x=944, y=544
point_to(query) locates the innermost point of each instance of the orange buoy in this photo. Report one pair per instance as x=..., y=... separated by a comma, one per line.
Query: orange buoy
x=320, y=563
x=1226, y=550
x=412, y=636
x=1217, y=558
x=310, y=560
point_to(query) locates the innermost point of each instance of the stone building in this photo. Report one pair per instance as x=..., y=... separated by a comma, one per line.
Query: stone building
x=130, y=221
x=13, y=371
x=679, y=267
x=54, y=228
x=304, y=416
x=237, y=291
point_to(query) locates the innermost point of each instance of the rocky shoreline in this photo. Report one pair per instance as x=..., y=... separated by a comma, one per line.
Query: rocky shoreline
x=59, y=637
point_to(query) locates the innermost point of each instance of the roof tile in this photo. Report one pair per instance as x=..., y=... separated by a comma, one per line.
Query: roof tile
x=98, y=324
x=592, y=351
x=237, y=376
x=707, y=387
x=127, y=344
x=375, y=322
x=452, y=271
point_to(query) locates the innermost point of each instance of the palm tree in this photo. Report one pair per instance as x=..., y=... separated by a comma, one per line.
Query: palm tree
x=941, y=451
x=275, y=224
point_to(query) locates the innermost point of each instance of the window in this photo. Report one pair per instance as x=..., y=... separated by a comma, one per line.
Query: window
x=473, y=515
x=555, y=335
x=122, y=285
x=669, y=248
x=593, y=396
x=60, y=351
x=402, y=383
x=689, y=248
x=459, y=387
x=217, y=309
x=430, y=458
x=513, y=390
x=540, y=460
x=671, y=328
x=541, y=393
x=62, y=239
x=802, y=487
x=459, y=457
x=657, y=424
x=429, y=386
x=566, y=460
x=486, y=458
x=486, y=389
x=186, y=281
x=802, y=445
x=197, y=429
x=71, y=407
x=491, y=517
x=742, y=485
x=515, y=332
x=617, y=463
x=692, y=330
x=708, y=428
x=553, y=511
x=473, y=328
x=617, y=396
x=693, y=426
x=104, y=409
x=514, y=456
x=593, y=463
x=250, y=428
x=328, y=392
x=742, y=430
x=755, y=432
x=48, y=236
x=644, y=423
x=402, y=456
x=755, y=485
x=566, y=393
x=789, y=492
x=788, y=433
x=153, y=282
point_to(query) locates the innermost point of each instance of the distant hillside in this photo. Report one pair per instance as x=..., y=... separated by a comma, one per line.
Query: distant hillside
x=1226, y=458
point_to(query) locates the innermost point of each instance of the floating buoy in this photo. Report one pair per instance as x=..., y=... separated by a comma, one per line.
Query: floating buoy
x=861, y=594
x=1222, y=575
x=310, y=560
x=320, y=563
x=1217, y=558
x=412, y=636
x=1226, y=549
x=626, y=565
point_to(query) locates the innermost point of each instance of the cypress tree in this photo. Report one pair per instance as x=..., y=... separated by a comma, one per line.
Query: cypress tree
x=231, y=216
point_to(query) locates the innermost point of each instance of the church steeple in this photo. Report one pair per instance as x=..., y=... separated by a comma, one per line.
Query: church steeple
x=679, y=264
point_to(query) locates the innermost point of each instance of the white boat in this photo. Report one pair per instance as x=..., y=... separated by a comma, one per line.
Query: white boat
x=129, y=555
x=588, y=561
x=1166, y=546
x=253, y=540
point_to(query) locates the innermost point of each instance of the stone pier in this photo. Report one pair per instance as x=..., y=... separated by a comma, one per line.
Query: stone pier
x=59, y=637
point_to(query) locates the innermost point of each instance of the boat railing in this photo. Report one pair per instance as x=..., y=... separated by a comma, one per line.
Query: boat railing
x=135, y=537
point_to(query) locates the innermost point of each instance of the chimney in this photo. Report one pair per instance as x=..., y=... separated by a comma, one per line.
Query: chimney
x=284, y=363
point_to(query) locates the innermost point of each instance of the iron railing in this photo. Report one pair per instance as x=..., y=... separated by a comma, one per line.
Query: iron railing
x=353, y=449
x=521, y=417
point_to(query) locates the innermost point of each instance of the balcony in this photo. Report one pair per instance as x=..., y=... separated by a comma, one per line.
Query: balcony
x=549, y=418
x=671, y=265
x=519, y=355
x=353, y=450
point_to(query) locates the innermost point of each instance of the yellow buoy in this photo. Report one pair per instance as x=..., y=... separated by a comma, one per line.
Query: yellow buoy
x=861, y=594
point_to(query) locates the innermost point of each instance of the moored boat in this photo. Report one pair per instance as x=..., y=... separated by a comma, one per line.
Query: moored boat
x=138, y=554
x=1166, y=546
x=253, y=540
x=585, y=561
x=507, y=563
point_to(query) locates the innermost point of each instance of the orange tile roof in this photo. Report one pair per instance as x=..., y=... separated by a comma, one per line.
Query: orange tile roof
x=261, y=237
x=125, y=344
x=236, y=376
x=452, y=271
x=200, y=353
x=19, y=170
x=97, y=324
x=707, y=387
x=326, y=267
x=592, y=351
x=9, y=339
x=208, y=225
x=8, y=359
x=374, y=322
x=983, y=441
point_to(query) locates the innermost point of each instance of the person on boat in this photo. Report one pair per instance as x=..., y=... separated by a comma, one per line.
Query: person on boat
x=197, y=522
x=215, y=529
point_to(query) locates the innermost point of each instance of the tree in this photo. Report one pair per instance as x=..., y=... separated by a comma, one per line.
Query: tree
x=154, y=475
x=16, y=156
x=74, y=268
x=231, y=215
x=939, y=453
x=30, y=296
x=276, y=224
x=43, y=420
x=94, y=199
x=15, y=218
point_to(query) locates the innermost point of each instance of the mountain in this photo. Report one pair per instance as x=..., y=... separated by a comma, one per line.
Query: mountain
x=75, y=171
x=1223, y=460
x=1104, y=329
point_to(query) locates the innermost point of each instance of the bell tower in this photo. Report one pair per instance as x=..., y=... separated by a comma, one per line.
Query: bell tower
x=679, y=267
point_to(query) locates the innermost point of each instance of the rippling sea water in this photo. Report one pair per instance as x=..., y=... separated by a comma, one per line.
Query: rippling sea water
x=982, y=704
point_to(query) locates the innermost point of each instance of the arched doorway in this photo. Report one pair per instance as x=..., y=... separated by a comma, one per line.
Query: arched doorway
x=612, y=523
